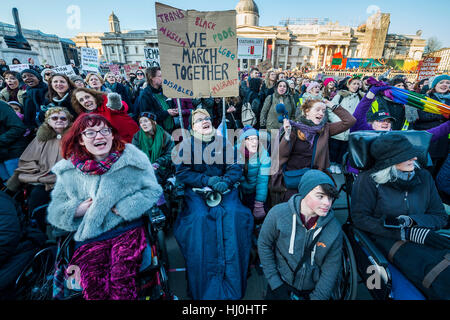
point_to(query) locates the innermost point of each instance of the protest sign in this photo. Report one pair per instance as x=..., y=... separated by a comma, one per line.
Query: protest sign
x=114, y=68
x=427, y=67
x=18, y=67
x=67, y=70
x=151, y=57
x=89, y=59
x=131, y=68
x=249, y=48
x=198, y=52
x=265, y=66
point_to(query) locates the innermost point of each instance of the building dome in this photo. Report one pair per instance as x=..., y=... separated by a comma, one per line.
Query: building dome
x=247, y=13
x=247, y=6
x=114, y=23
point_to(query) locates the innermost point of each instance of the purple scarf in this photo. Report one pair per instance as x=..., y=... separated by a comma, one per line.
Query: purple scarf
x=94, y=167
x=308, y=128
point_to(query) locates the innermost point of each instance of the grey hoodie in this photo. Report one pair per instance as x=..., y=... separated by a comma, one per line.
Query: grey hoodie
x=290, y=241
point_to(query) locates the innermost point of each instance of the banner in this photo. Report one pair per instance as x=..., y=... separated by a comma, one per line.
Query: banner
x=151, y=57
x=198, y=52
x=427, y=67
x=18, y=67
x=89, y=59
x=338, y=62
x=249, y=48
x=67, y=70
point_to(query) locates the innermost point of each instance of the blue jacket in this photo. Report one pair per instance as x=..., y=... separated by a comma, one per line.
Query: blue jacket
x=256, y=175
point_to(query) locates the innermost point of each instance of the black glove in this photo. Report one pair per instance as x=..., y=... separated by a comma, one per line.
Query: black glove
x=282, y=293
x=220, y=186
x=213, y=180
x=426, y=237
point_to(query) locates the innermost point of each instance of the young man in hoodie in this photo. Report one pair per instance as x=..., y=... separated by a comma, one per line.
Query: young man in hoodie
x=300, y=243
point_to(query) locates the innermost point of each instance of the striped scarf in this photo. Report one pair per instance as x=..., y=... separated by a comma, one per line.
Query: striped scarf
x=94, y=167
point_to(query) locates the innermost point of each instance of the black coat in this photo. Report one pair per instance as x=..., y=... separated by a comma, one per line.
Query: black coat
x=440, y=147
x=34, y=99
x=148, y=102
x=17, y=245
x=12, y=141
x=418, y=199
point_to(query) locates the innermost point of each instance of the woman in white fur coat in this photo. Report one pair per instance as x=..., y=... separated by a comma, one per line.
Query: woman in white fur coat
x=103, y=188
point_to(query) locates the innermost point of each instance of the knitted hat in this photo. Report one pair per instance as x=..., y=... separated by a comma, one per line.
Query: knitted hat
x=45, y=70
x=311, y=179
x=33, y=72
x=76, y=78
x=247, y=131
x=439, y=79
x=327, y=81
x=312, y=85
x=390, y=149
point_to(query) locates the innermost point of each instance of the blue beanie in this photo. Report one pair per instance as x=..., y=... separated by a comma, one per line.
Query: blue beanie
x=311, y=179
x=248, y=131
x=439, y=79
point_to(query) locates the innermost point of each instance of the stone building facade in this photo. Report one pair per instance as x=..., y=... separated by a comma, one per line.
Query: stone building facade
x=312, y=42
x=118, y=46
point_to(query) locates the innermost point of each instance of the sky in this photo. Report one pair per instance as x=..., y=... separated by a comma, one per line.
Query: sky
x=55, y=16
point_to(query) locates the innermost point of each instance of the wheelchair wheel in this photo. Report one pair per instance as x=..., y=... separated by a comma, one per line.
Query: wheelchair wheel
x=347, y=285
x=36, y=281
x=162, y=248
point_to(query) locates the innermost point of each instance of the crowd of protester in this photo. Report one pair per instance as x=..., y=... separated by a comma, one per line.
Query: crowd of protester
x=98, y=149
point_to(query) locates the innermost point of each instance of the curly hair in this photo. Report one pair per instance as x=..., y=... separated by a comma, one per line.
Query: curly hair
x=53, y=110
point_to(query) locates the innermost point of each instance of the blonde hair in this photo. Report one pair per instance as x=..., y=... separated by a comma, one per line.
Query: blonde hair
x=107, y=74
x=389, y=174
x=91, y=74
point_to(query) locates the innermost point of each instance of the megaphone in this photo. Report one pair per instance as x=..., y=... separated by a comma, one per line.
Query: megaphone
x=281, y=110
x=213, y=199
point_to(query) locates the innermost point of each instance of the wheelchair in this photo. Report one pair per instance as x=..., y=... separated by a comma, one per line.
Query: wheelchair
x=48, y=275
x=393, y=285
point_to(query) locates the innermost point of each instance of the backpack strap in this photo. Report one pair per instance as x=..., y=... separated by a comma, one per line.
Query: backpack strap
x=436, y=271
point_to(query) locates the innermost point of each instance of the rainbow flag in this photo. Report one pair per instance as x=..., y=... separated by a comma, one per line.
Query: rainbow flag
x=419, y=101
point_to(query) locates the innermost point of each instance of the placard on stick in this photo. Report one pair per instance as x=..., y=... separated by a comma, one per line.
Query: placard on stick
x=198, y=52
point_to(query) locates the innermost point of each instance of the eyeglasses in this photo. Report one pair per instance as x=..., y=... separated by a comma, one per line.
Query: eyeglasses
x=91, y=134
x=201, y=120
x=55, y=118
x=252, y=139
x=139, y=74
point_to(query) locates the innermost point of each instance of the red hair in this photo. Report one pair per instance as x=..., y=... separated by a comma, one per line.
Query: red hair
x=70, y=144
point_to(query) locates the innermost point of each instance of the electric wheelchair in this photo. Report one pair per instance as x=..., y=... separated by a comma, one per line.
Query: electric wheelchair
x=369, y=259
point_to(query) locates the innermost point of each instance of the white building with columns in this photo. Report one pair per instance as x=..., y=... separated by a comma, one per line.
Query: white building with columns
x=313, y=42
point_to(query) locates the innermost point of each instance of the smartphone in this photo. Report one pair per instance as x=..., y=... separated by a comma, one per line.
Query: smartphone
x=391, y=223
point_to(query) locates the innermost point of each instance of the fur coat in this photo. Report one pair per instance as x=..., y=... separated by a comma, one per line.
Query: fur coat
x=130, y=186
x=37, y=160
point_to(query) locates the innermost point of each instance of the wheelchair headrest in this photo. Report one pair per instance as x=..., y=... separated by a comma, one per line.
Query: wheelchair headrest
x=359, y=143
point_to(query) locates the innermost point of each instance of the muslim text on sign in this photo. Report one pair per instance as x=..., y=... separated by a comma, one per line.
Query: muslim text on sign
x=67, y=70
x=428, y=67
x=197, y=52
x=249, y=48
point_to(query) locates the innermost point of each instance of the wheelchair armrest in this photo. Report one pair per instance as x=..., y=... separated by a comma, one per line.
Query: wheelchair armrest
x=373, y=251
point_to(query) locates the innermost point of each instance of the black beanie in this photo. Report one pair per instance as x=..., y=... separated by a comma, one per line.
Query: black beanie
x=390, y=149
x=34, y=72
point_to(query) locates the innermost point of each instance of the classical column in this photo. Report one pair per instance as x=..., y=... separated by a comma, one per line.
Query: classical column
x=316, y=56
x=273, y=52
x=264, y=50
x=286, y=57
x=325, y=56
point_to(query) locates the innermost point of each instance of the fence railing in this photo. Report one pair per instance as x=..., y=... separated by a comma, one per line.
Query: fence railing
x=342, y=74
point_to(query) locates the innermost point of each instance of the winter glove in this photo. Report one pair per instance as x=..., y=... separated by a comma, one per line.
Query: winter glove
x=213, y=180
x=426, y=237
x=282, y=293
x=220, y=186
x=258, y=210
x=405, y=221
x=114, y=101
x=375, y=90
